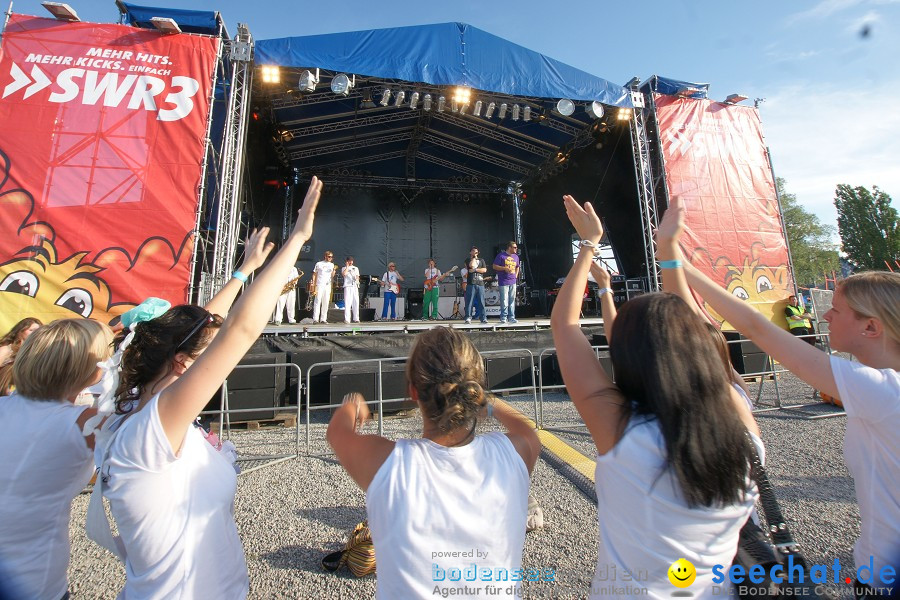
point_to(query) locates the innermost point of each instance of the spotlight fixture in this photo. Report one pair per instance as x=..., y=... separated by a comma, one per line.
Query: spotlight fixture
x=594, y=110
x=454, y=105
x=61, y=11
x=688, y=91
x=735, y=98
x=526, y=113
x=414, y=100
x=442, y=103
x=165, y=25
x=502, y=114
x=489, y=111
x=399, y=97
x=565, y=107
x=385, y=97
x=515, y=112
x=270, y=74
x=426, y=102
x=367, y=99
x=478, y=106
x=624, y=114
x=341, y=84
x=308, y=81
x=462, y=95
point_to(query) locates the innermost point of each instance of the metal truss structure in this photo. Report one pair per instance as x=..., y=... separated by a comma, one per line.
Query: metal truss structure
x=643, y=173
x=224, y=239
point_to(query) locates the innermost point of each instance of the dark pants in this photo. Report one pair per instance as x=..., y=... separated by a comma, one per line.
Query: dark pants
x=804, y=331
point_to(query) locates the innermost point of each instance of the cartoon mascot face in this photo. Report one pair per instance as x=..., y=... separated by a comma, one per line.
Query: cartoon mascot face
x=36, y=283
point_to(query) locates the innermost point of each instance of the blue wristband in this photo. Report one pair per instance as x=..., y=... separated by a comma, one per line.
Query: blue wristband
x=239, y=276
x=670, y=264
x=490, y=410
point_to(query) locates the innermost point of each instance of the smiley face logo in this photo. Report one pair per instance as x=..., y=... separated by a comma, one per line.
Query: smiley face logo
x=682, y=573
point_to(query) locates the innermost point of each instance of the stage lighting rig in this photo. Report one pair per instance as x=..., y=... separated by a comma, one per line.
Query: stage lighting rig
x=414, y=100
x=442, y=103
x=515, y=112
x=633, y=82
x=735, y=98
x=308, y=81
x=478, y=106
x=426, y=102
x=462, y=95
x=165, y=25
x=624, y=114
x=526, y=113
x=270, y=74
x=489, y=111
x=61, y=11
x=399, y=97
x=367, y=99
x=385, y=97
x=502, y=114
x=341, y=84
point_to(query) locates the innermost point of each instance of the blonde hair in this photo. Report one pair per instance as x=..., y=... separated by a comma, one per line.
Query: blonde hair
x=61, y=358
x=875, y=295
x=448, y=374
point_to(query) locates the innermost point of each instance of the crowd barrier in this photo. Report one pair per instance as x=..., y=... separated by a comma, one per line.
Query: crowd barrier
x=536, y=388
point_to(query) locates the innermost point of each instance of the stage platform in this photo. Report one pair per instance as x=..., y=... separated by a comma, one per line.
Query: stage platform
x=411, y=326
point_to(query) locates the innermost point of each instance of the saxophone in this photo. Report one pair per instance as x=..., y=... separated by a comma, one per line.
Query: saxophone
x=291, y=284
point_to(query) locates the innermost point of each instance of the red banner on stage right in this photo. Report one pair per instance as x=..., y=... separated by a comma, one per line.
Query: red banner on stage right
x=716, y=161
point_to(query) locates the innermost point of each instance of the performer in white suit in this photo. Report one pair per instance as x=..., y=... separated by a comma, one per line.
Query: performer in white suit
x=351, y=291
x=323, y=273
x=288, y=300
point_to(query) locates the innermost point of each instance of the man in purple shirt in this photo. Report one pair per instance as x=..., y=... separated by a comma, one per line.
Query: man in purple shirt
x=507, y=267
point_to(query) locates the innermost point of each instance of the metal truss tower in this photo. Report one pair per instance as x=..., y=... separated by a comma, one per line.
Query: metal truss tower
x=640, y=145
x=224, y=240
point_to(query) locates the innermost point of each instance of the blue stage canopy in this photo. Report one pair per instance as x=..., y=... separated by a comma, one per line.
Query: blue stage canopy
x=442, y=54
x=190, y=21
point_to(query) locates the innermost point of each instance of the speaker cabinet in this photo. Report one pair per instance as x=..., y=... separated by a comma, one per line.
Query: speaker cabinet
x=320, y=377
x=507, y=372
x=746, y=357
x=364, y=380
x=415, y=299
x=254, y=388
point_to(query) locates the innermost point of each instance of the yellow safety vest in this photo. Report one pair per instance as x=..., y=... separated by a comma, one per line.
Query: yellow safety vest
x=796, y=312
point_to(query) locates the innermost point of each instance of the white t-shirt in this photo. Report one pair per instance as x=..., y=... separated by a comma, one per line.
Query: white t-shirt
x=646, y=525
x=351, y=276
x=432, y=273
x=175, y=514
x=390, y=277
x=871, y=398
x=427, y=498
x=44, y=464
x=324, y=271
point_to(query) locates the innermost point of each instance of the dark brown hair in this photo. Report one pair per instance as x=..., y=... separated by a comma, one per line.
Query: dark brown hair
x=155, y=344
x=13, y=336
x=668, y=367
x=448, y=374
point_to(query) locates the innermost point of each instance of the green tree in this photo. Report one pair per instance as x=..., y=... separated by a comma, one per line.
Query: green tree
x=869, y=226
x=812, y=250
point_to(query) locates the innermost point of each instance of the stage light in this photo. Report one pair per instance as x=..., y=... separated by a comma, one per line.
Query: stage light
x=594, y=110
x=271, y=74
x=478, y=106
x=502, y=114
x=735, y=98
x=442, y=103
x=624, y=114
x=462, y=95
x=385, y=97
x=61, y=11
x=463, y=107
x=341, y=84
x=426, y=102
x=367, y=99
x=454, y=105
x=308, y=81
x=399, y=97
x=565, y=107
x=633, y=82
x=515, y=112
x=414, y=100
x=165, y=25
x=526, y=113
x=489, y=111
x=688, y=91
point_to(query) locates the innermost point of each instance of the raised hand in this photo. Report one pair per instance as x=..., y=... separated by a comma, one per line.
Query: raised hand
x=307, y=213
x=256, y=249
x=671, y=225
x=601, y=275
x=585, y=220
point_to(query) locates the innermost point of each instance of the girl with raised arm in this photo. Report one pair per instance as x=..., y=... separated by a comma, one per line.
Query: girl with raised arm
x=673, y=451
x=864, y=321
x=170, y=491
x=450, y=491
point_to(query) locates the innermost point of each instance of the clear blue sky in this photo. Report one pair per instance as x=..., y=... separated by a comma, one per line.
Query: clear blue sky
x=828, y=69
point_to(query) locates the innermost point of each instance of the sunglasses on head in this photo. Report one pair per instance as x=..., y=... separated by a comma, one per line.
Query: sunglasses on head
x=207, y=319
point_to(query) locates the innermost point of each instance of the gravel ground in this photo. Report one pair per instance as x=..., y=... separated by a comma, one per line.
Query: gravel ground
x=292, y=513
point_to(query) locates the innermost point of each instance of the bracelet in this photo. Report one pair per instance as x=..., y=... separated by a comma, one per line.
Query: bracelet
x=490, y=410
x=670, y=264
x=591, y=245
x=239, y=276
x=602, y=291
